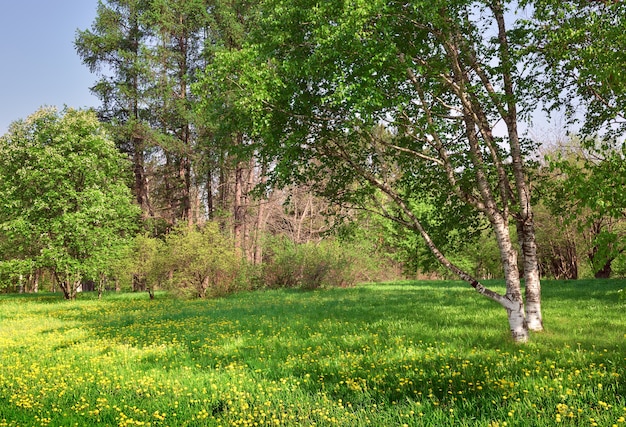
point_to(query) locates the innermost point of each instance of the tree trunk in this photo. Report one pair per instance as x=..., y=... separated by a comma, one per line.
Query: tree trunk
x=248, y=235
x=512, y=301
x=209, y=196
x=478, y=131
x=204, y=286
x=514, y=304
x=69, y=285
x=169, y=190
x=102, y=282
x=239, y=212
x=66, y=291
x=139, y=283
x=259, y=229
x=36, y=277
x=532, y=281
x=186, y=137
x=562, y=258
x=525, y=215
x=185, y=177
x=238, y=208
x=605, y=271
x=141, y=182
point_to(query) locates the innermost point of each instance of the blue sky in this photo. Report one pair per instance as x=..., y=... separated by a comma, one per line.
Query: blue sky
x=38, y=64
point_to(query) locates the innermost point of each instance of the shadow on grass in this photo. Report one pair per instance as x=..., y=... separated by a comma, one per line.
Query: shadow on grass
x=603, y=289
x=373, y=343
x=39, y=297
x=413, y=310
x=450, y=312
x=428, y=311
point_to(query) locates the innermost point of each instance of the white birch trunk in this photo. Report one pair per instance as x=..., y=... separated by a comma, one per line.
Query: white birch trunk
x=531, y=276
x=36, y=281
x=526, y=229
x=517, y=322
x=514, y=304
x=512, y=301
x=533, y=315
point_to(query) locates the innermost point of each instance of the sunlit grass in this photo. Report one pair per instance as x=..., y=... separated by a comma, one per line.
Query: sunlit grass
x=414, y=353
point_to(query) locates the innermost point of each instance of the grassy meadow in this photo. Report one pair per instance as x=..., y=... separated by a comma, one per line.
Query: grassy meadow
x=397, y=354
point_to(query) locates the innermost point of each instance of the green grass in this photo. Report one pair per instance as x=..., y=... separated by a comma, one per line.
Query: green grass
x=412, y=353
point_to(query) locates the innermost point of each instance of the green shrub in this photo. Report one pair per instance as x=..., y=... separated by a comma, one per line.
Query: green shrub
x=200, y=262
x=314, y=265
x=140, y=269
x=619, y=266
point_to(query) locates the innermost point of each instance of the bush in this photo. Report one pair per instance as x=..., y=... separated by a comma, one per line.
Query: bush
x=314, y=265
x=140, y=268
x=619, y=266
x=200, y=262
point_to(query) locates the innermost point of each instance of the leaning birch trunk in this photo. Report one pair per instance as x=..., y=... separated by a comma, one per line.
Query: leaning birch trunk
x=484, y=200
x=512, y=300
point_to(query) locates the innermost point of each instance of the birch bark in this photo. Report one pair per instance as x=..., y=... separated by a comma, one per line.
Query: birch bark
x=512, y=300
x=431, y=73
x=525, y=219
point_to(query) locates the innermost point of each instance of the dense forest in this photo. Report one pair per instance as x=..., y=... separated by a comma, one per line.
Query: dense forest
x=294, y=143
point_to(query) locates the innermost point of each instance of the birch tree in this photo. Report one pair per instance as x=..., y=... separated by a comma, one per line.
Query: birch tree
x=319, y=79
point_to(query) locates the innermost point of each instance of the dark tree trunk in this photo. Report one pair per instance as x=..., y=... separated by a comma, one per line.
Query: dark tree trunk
x=605, y=271
x=141, y=182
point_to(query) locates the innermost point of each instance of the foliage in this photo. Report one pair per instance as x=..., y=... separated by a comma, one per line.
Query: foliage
x=325, y=89
x=404, y=353
x=477, y=254
x=581, y=45
x=145, y=52
x=455, y=229
x=141, y=266
x=619, y=266
x=584, y=187
x=481, y=256
x=561, y=246
x=13, y=271
x=146, y=55
x=200, y=262
x=313, y=265
x=398, y=99
x=581, y=48
x=66, y=206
